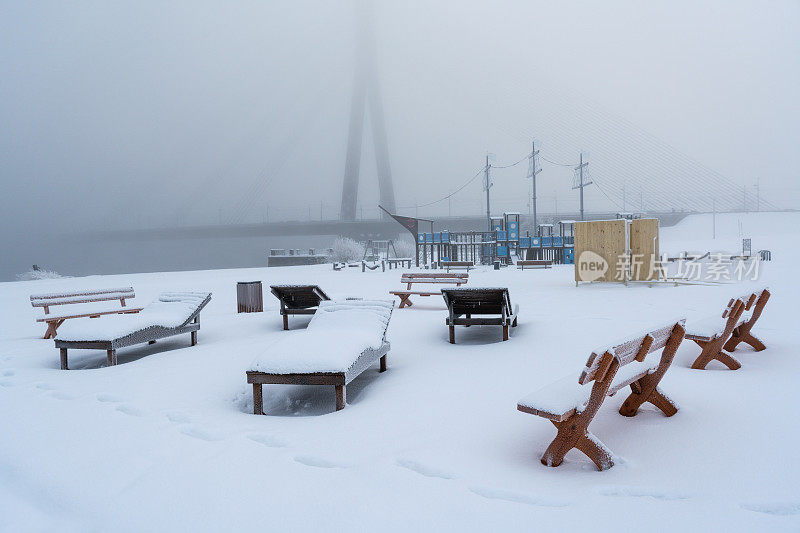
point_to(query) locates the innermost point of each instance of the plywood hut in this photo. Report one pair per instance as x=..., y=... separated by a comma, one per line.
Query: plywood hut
x=620, y=250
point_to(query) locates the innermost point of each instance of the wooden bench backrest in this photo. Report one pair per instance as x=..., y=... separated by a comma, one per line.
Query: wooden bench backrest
x=299, y=296
x=626, y=352
x=489, y=301
x=80, y=297
x=535, y=262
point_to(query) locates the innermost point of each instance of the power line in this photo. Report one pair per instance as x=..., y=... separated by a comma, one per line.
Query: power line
x=558, y=164
x=449, y=195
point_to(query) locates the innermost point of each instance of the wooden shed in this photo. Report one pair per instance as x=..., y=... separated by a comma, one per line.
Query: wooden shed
x=616, y=250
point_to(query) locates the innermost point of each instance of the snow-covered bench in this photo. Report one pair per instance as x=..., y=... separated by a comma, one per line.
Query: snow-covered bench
x=298, y=300
x=572, y=407
x=46, y=301
x=462, y=304
x=522, y=264
x=173, y=313
x=343, y=339
x=742, y=332
x=715, y=335
x=455, y=265
x=412, y=278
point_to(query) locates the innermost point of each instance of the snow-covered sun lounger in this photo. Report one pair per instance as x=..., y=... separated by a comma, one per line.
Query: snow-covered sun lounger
x=571, y=407
x=342, y=340
x=172, y=313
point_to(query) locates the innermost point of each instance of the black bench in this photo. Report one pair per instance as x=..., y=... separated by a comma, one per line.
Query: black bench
x=297, y=300
x=463, y=304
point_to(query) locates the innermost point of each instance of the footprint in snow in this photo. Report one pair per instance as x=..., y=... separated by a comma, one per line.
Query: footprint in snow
x=773, y=508
x=516, y=497
x=177, y=417
x=319, y=462
x=425, y=470
x=8, y=373
x=201, y=433
x=44, y=386
x=62, y=395
x=6, y=383
x=643, y=492
x=267, y=440
x=108, y=398
x=130, y=410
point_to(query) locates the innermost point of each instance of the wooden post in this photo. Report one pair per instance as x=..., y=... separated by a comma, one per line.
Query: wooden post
x=383, y=364
x=285, y=322
x=111, y=357
x=341, y=397
x=193, y=337
x=452, y=334
x=64, y=359
x=258, y=402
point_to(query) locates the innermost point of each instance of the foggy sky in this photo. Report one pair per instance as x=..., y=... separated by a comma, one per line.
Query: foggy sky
x=143, y=114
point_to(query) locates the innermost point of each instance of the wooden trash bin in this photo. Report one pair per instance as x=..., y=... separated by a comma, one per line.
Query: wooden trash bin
x=249, y=298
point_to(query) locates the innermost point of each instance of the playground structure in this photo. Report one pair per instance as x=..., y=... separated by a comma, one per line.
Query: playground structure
x=502, y=244
x=621, y=250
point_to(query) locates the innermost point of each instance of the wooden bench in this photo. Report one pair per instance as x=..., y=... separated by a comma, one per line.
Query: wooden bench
x=462, y=304
x=534, y=263
x=397, y=262
x=411, y=278
x=47, y=301
x=297, y=300
x=715, y=336
x=742, y=332
x=455, y=265
x=571, y=409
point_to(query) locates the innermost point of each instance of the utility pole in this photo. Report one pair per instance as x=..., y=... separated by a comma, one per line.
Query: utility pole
x=623, y=197
x=487, y=186
x=744, y=198
x=533, y=172
x=580, y=181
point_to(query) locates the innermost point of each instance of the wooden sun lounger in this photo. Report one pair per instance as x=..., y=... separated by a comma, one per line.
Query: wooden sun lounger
x=463, y=304
x=46, y=301
x=412, y=278
x=298, y=300
x=145, y=334
x=616, y=368
x=338, y=380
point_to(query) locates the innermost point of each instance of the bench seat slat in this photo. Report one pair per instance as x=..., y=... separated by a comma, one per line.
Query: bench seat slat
x=79, y=299
x=118, y=311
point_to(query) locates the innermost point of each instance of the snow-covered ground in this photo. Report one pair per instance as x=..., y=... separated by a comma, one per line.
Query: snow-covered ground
x=165, y=440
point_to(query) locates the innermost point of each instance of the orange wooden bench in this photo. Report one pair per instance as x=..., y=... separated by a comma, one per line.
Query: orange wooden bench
x=47, y=301
x=718, y=337
x=571, y=409
x=412, y=278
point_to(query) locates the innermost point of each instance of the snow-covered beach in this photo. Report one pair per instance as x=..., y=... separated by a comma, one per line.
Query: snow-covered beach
x=167, y=440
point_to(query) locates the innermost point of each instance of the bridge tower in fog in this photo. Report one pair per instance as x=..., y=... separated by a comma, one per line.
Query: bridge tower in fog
x=366, y=90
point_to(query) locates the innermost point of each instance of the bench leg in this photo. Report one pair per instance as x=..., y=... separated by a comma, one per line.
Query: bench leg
x=572, y=434
x=745, y=337
x=405, y=300
x=452, y=334
x=51, y=329
x=258, y=402
x=64, y=359
x=383, y=364
x=341, y=397
x=285, y=322
x=643, y=391
x=194, y=338
x=711, y=351
x=111, y=357
x=505, y=332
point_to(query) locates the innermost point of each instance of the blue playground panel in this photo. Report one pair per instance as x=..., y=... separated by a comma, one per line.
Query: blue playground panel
x=502, y=251
x=558, y=241
x=524, y=242
x=547, y=242
x=437, y=237
x=429, y=237
x=569, y=241
x=513, y=234
x=497, y=224
x=487, y=250
x=569, y=256
x=502, y=235
x=420, y=238
x=536, y=242
x=445, y=236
